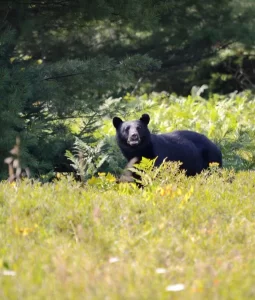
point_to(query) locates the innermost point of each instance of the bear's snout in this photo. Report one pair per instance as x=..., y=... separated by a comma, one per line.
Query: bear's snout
x=133, y=139
x=134, y=136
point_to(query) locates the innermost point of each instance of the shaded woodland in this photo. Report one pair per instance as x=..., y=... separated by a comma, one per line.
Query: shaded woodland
x=61, y=59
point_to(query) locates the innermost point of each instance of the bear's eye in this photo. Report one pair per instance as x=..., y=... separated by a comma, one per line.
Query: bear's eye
x=127, y=128
x=138, y=127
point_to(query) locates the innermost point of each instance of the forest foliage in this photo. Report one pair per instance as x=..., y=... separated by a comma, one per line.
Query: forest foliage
x=61, y=61
x=66, y=68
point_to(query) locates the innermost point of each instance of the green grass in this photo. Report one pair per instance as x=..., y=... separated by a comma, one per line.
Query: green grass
x=100, y=240
x=61, y=238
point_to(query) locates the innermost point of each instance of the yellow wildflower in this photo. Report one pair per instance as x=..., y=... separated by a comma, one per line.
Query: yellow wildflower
x=101, y=174
x=213, y=164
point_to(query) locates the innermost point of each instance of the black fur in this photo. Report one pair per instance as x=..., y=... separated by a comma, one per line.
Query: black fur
x=193, y=149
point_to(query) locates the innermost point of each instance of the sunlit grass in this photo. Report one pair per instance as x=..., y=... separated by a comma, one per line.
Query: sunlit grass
x=178, y=238
x=187, y=238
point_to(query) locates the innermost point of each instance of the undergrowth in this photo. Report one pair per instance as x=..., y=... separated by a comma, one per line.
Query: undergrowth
x=102, y=240
x=227, y=120
x=176, y=238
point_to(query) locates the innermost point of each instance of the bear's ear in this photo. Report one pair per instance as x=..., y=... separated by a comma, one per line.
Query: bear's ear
x=116, y=121
x=145, y=118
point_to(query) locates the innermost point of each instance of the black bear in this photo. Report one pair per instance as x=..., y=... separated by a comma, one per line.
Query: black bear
x=194, y=150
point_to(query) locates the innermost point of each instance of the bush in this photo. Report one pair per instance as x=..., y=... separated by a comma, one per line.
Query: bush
x=227, y=120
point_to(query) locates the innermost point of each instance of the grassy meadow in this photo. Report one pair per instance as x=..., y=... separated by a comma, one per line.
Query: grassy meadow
x=178, y=238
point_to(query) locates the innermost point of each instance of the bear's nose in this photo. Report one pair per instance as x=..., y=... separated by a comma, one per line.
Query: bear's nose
x=134, y=136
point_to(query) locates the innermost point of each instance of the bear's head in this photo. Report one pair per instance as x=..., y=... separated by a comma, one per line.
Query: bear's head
x=132, y=134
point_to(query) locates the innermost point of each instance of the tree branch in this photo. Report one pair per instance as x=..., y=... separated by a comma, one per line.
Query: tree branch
x=63, y=76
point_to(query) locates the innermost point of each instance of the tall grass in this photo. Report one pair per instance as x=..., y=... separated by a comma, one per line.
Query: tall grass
x=101, y=240
x=178, y=238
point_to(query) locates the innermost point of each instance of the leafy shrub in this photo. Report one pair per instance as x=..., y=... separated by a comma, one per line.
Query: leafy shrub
x=86, y=159
x=227, y=120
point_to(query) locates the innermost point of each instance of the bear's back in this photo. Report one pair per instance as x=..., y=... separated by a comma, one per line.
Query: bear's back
x=175, y=147
x=209, y=150
x=195, y=150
